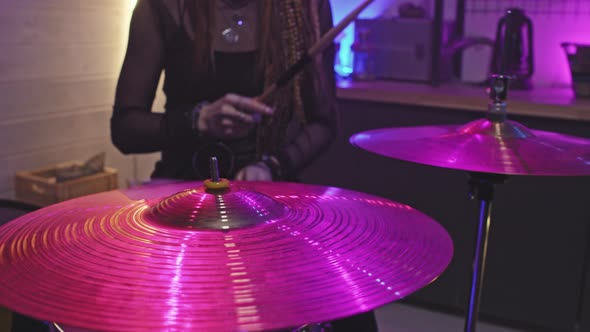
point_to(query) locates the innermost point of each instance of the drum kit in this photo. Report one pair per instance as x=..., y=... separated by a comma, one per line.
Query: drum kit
x=264, y=256
x=249, y=256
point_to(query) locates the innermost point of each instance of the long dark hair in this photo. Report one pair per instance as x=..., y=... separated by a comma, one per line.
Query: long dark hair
x=287, y=29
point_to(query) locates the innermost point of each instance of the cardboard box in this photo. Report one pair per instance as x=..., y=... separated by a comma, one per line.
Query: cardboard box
x=40, y=187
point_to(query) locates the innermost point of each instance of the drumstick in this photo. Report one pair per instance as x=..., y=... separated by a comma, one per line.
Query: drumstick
x=319, y=46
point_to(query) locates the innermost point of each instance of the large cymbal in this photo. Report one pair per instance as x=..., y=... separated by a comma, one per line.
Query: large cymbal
x=173, y=256
x=482, y=146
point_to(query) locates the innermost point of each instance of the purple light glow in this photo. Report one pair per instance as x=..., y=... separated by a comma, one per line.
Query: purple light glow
x=340, y=9
x=549, y=31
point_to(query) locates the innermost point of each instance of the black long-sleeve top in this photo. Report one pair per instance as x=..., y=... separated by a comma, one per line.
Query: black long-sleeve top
x=161, y=42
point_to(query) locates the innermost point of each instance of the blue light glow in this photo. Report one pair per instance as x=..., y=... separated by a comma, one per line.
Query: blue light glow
x=340, y=9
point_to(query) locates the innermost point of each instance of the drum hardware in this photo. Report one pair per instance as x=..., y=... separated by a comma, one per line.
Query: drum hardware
x=482, y=187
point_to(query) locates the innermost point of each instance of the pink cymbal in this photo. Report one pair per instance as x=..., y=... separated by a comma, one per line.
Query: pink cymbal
x=482, y=146
x=175, y=257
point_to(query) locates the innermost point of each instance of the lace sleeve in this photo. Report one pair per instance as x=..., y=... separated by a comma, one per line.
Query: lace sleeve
x=134, y=128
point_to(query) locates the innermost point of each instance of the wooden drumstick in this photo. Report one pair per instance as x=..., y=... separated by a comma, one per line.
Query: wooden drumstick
x=319, y=46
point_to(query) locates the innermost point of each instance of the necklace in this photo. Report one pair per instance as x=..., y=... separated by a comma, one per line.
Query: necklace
x=235, y=24
x=231, y=34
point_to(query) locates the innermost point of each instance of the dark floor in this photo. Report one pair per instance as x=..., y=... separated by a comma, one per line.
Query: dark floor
x=396, y=317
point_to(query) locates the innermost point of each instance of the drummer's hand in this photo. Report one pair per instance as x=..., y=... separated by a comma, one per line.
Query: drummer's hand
x=255, y=172
x=231, y=116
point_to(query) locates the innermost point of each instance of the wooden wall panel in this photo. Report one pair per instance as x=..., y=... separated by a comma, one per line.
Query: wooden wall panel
x=26, y=98
x=58, y=69
x=47, y=25
x=59, y=61
x=42, y=132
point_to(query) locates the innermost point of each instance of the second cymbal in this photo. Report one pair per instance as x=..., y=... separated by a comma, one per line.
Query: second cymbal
x=482, y=146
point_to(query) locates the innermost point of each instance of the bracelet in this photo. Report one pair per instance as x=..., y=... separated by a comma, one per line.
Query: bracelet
x=194, y=115
x=274, y=165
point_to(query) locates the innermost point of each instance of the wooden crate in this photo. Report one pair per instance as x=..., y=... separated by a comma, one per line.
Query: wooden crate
x=39, y=186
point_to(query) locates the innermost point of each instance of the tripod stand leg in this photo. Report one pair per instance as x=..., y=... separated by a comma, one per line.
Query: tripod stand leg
x=482, y=188
x=479, y=263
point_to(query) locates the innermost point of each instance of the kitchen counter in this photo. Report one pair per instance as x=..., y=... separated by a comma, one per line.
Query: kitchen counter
x=540, y=102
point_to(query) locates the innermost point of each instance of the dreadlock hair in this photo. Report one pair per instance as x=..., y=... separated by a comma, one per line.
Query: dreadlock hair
x=287, y=29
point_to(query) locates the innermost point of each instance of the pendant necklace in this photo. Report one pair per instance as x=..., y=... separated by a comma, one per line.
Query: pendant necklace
x=236, y=23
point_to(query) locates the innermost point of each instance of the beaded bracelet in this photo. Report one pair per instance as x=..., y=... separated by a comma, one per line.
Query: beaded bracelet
x=194, y=115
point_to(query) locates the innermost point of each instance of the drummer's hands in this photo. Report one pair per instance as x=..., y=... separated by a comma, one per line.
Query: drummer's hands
x=255, y=172
x=231, y=116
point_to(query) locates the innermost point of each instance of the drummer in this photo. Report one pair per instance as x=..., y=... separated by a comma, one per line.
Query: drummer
x=218, y=56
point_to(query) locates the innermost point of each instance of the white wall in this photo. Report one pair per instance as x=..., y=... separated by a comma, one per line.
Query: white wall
x=58, y=70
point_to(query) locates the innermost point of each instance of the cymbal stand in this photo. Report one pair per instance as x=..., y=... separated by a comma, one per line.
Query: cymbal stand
x=482, y=187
